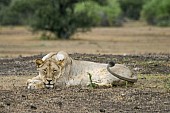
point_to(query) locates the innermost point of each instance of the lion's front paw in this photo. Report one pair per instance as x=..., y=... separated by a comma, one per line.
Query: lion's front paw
x=35, y=84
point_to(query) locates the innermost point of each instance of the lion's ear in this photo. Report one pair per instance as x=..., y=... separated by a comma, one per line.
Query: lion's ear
x=60, y=59
x=61, y=63
x=39, y=62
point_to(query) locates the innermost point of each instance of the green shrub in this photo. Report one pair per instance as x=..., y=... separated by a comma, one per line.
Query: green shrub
x=132, y=8
x=7, y=16
x=157, y=12
x=55, y=16
x=100, y=14
x=17, y=12
x=4, y=3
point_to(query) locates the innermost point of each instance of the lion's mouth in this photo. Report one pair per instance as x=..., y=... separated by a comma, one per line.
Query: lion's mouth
x=49, y=85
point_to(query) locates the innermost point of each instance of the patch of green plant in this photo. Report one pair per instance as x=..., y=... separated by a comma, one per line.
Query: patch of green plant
x=167, y=84
x=47, y=36
x=92, y=85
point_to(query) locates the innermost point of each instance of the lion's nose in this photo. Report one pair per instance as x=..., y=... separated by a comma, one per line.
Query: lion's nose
x=49, y=81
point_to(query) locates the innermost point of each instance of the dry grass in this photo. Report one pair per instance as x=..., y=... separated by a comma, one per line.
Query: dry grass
x=155, y=82
x=124, y=40
x=158, y=82
x=11, y=82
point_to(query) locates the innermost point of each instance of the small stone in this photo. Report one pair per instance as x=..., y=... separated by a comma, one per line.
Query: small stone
x=123, y=94
x=2, y=105
x=33, y=107
x=23, y=96
x=102, y=110
x=8, y=104
x=60, y=104
x=137, y=107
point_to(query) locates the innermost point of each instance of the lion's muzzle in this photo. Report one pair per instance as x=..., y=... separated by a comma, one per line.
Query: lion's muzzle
x=49, y=84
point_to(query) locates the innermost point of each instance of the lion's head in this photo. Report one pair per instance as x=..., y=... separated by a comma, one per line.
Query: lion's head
x=51, y=67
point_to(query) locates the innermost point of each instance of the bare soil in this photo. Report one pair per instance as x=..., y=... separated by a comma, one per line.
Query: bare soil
x=149, y=94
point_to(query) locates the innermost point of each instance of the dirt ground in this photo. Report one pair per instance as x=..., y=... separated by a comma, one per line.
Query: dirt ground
x=149, y=94
x=144, y=49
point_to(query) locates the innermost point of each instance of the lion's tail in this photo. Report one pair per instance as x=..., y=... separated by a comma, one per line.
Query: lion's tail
x=111, y=64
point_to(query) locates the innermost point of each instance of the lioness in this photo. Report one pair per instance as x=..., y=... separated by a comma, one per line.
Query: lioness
x=60, y=69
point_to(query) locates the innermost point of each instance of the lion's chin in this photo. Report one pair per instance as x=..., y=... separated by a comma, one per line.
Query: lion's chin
x=49, y=86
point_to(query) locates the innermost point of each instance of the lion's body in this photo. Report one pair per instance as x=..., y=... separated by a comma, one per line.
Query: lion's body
x=73, y=72
x=79, y=70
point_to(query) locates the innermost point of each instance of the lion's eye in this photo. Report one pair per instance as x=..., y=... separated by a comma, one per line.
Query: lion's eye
x=54, y=71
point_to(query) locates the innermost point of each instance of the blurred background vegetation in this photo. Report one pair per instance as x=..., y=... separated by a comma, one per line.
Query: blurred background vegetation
x=65, y=17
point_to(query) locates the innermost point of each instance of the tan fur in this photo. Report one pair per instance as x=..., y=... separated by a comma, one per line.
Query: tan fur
x=60, y=69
